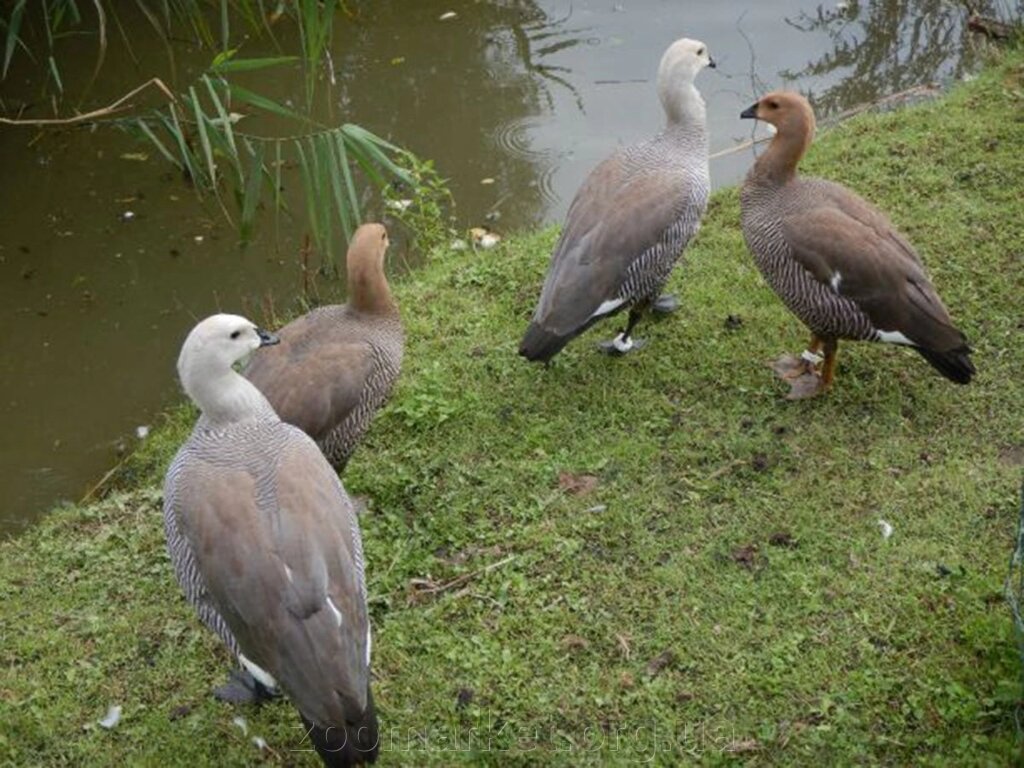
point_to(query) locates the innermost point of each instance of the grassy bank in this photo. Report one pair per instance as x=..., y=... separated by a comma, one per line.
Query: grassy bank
x=653, y=559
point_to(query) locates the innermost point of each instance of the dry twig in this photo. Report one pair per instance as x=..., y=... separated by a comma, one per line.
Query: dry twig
x=107, y=111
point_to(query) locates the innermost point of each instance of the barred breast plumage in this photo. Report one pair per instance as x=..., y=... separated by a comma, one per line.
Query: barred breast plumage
x=826, y=312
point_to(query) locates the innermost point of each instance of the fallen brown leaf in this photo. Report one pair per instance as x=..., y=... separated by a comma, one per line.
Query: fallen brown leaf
x=577, y=485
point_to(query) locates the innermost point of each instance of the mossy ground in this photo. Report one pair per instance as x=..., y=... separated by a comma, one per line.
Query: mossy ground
x=653, y=559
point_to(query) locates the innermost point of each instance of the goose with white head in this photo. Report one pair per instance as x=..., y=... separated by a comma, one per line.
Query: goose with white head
x=630, y=221
x=266, y=546
x=836, y=261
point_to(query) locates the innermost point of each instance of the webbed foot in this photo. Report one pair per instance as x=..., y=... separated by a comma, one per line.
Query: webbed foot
x=620, y=345
x=801, y=374
x=665, y=305
x=243, y=688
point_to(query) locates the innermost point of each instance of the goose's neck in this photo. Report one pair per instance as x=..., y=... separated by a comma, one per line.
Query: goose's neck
x=777, y=165
x=684, y=107
x=368, y=289
x=228, y=398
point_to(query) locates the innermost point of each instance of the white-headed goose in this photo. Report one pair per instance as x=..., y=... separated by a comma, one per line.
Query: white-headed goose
x=836, y=261
x=266, y=546
x=630, y=221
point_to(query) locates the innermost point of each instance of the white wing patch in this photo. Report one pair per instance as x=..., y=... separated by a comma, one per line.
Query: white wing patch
x=369, y=642
x=334, y=609
x=893, y=337
x=837, y=278
x=258, y=672
x=609, y=305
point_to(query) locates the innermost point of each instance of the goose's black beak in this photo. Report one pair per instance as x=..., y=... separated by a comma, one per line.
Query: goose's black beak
x=267, y=339
x=711, y=62
x=750, y=113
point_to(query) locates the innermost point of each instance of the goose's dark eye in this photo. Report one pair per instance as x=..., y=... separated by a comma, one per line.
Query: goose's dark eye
x=773, y=105
x=700, y=52
x=236, y=334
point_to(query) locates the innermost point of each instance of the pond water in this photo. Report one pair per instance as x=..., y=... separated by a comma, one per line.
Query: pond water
x=107, y=259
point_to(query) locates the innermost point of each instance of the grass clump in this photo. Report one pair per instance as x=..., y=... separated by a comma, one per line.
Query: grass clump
x=653, y=559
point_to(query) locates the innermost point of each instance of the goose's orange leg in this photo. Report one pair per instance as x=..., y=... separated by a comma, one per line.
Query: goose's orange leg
x=828, y=370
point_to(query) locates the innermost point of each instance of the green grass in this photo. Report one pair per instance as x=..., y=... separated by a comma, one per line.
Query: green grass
x=722, y=594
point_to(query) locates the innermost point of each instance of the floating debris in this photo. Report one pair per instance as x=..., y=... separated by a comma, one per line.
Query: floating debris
x=139, y=157
x=142, y=432
x=127, y=215
x=886, y=528
x=233, y=117
x=198, y=238
x=398, y=205
x=113, y=717
x=487, y=181
x=483, y=238
x=447, y=15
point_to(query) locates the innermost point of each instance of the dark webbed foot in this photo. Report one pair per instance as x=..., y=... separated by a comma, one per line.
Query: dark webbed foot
x=243, y=688
x=620, y=345
x=665, y=305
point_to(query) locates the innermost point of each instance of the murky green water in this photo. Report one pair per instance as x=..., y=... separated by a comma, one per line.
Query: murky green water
x=95, y=302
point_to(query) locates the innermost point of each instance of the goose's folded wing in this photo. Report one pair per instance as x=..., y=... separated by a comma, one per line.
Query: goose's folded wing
x=864, y=260
x=614, y=219
x=281, y=557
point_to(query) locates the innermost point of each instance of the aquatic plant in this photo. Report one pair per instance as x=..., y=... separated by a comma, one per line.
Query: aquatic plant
x=341, y=165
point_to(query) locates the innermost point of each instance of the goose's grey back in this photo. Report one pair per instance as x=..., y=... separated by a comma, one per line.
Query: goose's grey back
x=266, y=546
x=386, y=340
x=627, y=227
x=334, y=368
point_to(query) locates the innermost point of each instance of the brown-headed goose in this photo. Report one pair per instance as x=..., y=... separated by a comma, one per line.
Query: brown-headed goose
x=836, y=261
x=335, y=366
x=630, y=221
x=265, y=545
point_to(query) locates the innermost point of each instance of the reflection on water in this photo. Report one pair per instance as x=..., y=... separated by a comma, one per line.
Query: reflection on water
x=528, y=95
x=885, y=48
x=457, y=89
